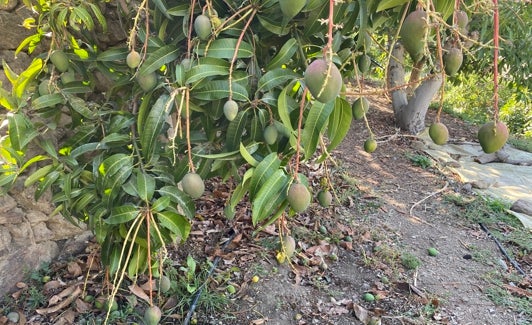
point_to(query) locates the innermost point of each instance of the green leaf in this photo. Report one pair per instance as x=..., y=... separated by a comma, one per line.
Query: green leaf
x=224, y=48
x=219, y=89
x=21, y=131
x=339, y=123
x=276, y=77
x=32, y=161
x=38, y=174
x=241, y=188
x=154, y=124
x=113, y=54
x=272, y=25
x=84, y=16
x=263, y=172
x=185, y=204
x=269, y=197
x=161, y=203
x=6, y=179
x=80, y=106
x=284, y=55
x=114, y=164
x=154, y=61
x=201, y=71
x=145, y=186
x=27, y=76
x=163, y=7
x=235, y=130
x=85, y=199
x=176, y=223
x=247, y=154
x=46, y=183
x=122, y=214
x=314, y=125
x=387, y=4
x=47, y=101
x=87, y=147
x=284, y=107
x=98, y=14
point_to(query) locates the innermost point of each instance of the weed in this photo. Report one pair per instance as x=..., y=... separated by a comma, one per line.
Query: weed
x=410, y=261
x=420, y=160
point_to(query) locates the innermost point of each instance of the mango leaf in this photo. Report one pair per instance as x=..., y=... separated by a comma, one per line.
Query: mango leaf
x=21, y=131
x=185, y=204
x=314, y=125
x=122, y=214
x=235, y=130
x=284, y=107
x=46, y=183
x=115, y=163
x=163, y=7
x=6, y=179
x=38, y=174
x=153, y=125
x=274, y=78
x=387, y=4
x=47, y=101
x=113, y=184
x=85, y=199
x=201, y=71
x=145, y=186
x=32, y=161
x=339, y=123
x=272, y=25
x=87, y=147
x=27, y=76
x=269, y=197
x=137, y=262
x=284, y=55
x=154, y=61
x=161, y=203
x=224, y=48
x=176, y=223
x=218, y=89
x=80, y=106
x=247, y=154
x=241, y=188
x=113, y=54
x=263, y=172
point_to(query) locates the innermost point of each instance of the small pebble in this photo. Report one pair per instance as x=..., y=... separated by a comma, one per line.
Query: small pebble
x=13, y=317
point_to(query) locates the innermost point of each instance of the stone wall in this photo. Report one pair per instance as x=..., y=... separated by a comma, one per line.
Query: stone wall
x=29, y=234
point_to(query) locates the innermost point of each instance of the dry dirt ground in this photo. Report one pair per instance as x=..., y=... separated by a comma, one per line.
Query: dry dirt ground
x=373, y=239
x=392, y=209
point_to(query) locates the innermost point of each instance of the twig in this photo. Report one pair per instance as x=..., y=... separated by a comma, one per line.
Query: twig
x=428, y=196
x=503, y=251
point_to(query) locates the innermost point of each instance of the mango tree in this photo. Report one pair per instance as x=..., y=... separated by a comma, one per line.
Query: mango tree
x=134, y=104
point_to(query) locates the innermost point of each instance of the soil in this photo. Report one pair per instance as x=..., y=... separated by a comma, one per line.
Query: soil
x=386, y=214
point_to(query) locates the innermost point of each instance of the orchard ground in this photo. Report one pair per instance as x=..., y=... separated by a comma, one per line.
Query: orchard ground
x=390, y=208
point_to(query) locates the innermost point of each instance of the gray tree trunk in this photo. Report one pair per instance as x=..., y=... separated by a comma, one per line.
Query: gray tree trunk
x=410, y=109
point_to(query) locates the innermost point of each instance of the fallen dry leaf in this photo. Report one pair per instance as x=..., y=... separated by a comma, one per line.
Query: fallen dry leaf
x=82, y=306
x=63, y=304
x=139, y=292
x=74, y=269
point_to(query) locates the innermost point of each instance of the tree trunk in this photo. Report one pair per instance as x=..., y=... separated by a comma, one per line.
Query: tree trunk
x=410, y=110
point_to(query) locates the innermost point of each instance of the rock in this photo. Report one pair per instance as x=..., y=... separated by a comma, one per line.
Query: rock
x=12, y=31
x=24, y=258
x=7, y=203
x=522, y=206
x=8, y=5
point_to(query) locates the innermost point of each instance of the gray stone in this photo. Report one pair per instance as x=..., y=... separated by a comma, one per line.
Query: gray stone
x=35, y=216
x=62, y=229
x=12, y=31
x=5, y=239
x=21, y=234
x=8, y=5
x=7, y=203
x=12, y=216
x=24, y=259
x=41, y=232
x=18, y=64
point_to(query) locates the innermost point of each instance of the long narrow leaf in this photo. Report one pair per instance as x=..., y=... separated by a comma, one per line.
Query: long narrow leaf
x=153, y=125
x=269, y=165
x=271, y=194
x=157, y=59
x=314, y=125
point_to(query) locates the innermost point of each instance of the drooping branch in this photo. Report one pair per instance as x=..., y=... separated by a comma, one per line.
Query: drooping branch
x=410, y=109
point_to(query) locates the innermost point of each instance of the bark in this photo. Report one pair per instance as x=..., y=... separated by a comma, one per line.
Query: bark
x=410, y=110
